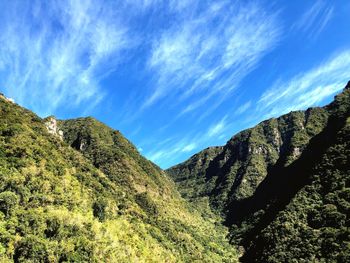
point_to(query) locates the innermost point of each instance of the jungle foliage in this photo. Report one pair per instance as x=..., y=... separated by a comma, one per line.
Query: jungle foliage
x=282, y=186
x=92, y=198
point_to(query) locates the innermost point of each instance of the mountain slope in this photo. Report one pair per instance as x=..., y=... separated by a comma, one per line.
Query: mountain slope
x=113, y=154
x=283, y=186
x=105, y=203
x=236, y=169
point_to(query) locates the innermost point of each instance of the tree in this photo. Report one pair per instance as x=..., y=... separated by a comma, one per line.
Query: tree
x=8, y=201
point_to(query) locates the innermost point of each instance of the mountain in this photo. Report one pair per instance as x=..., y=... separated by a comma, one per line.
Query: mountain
x=282, y=186
x=79, y=191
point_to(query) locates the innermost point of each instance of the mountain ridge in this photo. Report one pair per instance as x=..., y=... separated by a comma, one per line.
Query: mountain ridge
x=85, y=195
x=79, y=191
x=260, y=177
x=268, y=139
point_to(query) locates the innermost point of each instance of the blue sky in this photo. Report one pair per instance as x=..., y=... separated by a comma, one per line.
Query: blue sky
x=174, y=76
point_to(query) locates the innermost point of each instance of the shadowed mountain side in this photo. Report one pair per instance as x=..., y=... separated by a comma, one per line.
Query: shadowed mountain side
x=234, y=171
x=314, y=189
x=283, y=185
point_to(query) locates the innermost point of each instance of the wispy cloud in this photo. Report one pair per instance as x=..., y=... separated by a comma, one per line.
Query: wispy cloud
x=54, y=55
x=157, y=155
x=297, y=93
x=167, y=154
x=195, y=58
x=316, y=18
x=140, y=149
x=307, y=89
x=190, y=147
x=243, y=108
x=218, y=128
x=170, y=150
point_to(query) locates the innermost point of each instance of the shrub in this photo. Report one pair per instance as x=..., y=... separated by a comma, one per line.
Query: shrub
x=99, y=209
x=8, y=201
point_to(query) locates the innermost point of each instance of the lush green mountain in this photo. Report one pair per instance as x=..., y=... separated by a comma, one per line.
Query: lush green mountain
x=234, y=171
x=283, y=186
x=78, y=191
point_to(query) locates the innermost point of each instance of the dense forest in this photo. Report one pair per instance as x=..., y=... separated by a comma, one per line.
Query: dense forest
x=282, y=187
x=78, y=191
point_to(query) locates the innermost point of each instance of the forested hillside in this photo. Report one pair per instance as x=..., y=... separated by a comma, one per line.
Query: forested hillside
x=78, y=191
x=282, y=186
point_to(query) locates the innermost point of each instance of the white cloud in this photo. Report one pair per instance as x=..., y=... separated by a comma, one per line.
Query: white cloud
x=210, y=51
x=316, y=18
x=169, y=153
x=218, y=128
x=156, y=156
x=190, y=147
x=174, y=149
x=307, y=89
x=170, y=149
x=243, y=108
x=299, y=92
x=55, y=55
x=140, y=149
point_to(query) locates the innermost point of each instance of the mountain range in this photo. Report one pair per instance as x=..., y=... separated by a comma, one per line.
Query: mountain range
x=79, y=191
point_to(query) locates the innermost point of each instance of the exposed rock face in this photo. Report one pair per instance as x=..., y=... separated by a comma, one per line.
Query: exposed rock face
x=52, y=128
x=296, y=152
x=277, y=140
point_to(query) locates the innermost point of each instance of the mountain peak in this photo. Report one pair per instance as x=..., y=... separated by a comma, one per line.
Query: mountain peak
x=92, y=198
x=347, y=85
x=284, y=170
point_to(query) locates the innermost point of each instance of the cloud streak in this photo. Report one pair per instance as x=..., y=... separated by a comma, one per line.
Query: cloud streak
x=243, y=108
x=168, y=154
x=315, y=19
x=217, y=128
x=54, y=55
x=307, y=89
x=193, y=59
x=171, y=149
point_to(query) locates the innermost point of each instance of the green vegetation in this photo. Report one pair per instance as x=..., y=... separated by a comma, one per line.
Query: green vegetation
x=307, y=218
x=233, y=172
x=282, y=187
x=92, y=198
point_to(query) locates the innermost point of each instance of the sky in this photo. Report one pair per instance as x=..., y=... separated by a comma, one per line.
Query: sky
x=173, y=76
